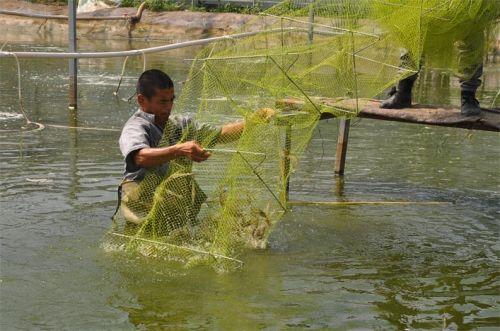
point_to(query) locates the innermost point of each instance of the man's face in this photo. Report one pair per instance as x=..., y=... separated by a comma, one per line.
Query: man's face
x=160, y=104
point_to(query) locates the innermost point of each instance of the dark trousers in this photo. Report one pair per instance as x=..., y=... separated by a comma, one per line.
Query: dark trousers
x=470, y=58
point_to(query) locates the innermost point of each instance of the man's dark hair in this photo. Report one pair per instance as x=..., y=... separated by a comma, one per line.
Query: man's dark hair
x=153, y=79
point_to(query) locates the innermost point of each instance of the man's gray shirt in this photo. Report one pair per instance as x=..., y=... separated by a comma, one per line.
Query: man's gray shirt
x=141, y=132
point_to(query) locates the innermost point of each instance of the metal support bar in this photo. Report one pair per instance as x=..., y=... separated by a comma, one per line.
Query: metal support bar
x=343, y=138
x=73, y=63
x=141, y=52
x=310, y=32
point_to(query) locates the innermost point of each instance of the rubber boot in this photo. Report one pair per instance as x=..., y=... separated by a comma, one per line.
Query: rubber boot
x=470, y=105
x=400, y=96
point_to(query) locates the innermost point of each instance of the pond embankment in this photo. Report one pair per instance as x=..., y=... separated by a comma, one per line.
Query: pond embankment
x=172, y=25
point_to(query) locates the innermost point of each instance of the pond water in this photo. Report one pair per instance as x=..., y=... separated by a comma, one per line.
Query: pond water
x=415, y=266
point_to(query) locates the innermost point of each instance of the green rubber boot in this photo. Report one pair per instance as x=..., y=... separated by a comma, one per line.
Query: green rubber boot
x=400, y=97
x=470, y=105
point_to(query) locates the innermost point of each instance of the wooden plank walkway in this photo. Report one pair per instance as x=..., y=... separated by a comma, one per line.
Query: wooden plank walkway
x=488, y=120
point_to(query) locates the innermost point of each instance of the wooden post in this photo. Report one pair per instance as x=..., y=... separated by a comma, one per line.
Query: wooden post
x=342, y=140
x=73, y=156
x=339, y=188
x=73, y=63
x=343, y=136
x=286, y=162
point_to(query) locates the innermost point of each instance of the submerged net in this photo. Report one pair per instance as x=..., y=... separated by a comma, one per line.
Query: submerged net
x=305, y=59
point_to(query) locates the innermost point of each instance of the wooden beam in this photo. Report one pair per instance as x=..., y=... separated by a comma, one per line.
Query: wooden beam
x=488, y=120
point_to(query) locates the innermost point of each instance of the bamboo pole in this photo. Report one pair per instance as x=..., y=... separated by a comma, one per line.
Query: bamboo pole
x=357, y=203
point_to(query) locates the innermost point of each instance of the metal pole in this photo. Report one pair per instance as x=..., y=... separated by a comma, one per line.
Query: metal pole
x=310, y=29
x=73, y=63
x=311, y=23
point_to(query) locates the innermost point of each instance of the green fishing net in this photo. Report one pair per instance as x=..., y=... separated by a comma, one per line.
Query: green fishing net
x=446, y=34
x=301, y=60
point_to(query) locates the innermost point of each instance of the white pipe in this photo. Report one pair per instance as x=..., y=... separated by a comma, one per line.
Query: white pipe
x=136, y=52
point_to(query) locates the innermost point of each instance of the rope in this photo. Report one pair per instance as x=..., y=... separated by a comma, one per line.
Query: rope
x=38, y=127
x=144, y=61
x=355, y=203
x=142, y=52
x=81, y=127
x=121, y=76
x=41, y=126
x=19, y=91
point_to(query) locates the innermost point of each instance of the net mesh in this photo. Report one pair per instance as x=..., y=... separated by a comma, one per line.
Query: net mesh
x=302, y=54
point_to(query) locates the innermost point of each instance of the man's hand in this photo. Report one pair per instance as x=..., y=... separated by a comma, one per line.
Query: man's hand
x=153, y=157
x=193, y=151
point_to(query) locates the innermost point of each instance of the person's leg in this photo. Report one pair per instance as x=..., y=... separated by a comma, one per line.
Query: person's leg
x=400, y=96
x=470, y=70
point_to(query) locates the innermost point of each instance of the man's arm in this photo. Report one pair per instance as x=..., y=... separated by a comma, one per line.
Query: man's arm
x=232, y=131
x=152, y=157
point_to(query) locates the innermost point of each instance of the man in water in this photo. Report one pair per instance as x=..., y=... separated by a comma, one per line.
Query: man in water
x=158, y=150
